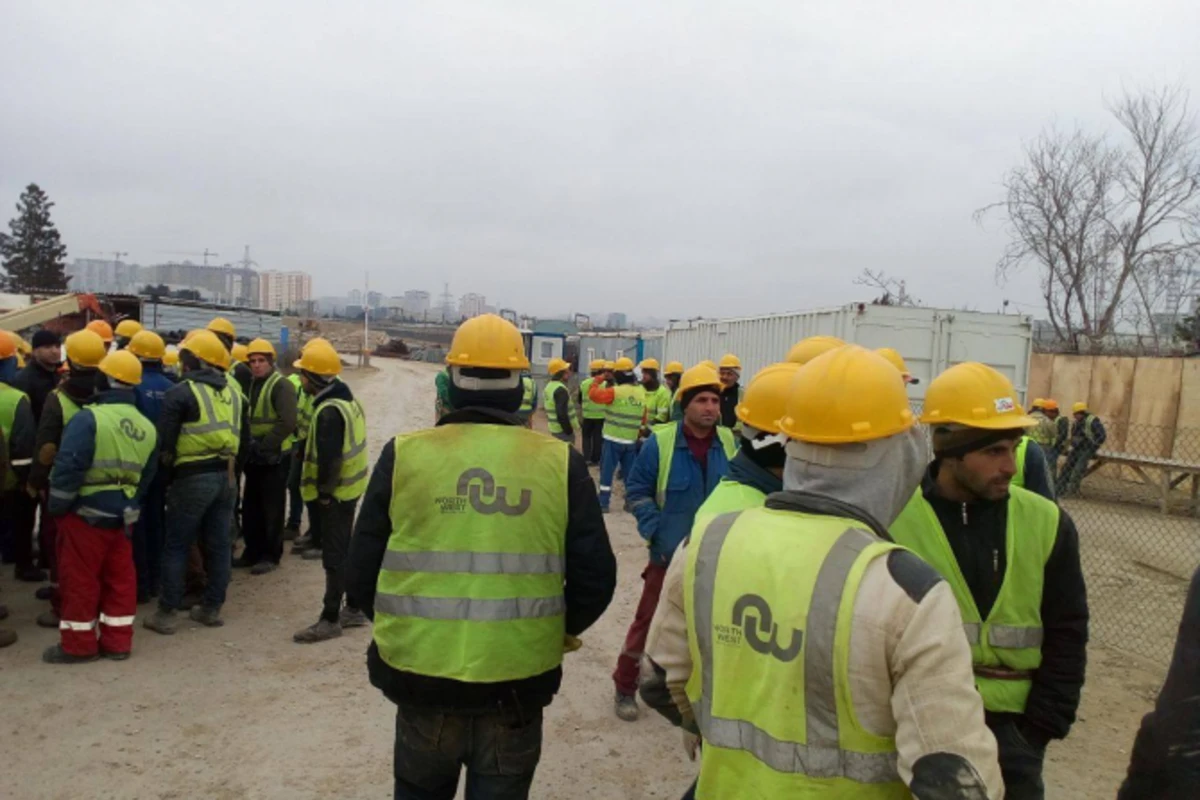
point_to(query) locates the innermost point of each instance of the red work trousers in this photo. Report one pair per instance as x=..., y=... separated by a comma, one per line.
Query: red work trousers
x=625, y=676
x=98, y=583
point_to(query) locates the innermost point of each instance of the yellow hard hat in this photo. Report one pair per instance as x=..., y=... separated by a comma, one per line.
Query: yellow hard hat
x=239, y=353
x=597, y=365
x=170, y=358
x=1079, y=407
x=8, y=345
x=320, y=358
x=101, y=329
x=623, y=364
x=123, y=366
x=557, y=365
x=147, y=344
x=191, y=333
x=896, y=360
x=849, y=394
x=730, y=361
x=205, y=346
x=222, y=325
x=765, y=400
x=806, y=350
x=260, y=347
x=85, y=349
x=697, y=376
x=976, y=396
x=22, y=346
x=314, y=340
x=649, y=363
x=673, y=368
x=488, y=341
x=1038, y=403
x=610, y=365
x=126, y=328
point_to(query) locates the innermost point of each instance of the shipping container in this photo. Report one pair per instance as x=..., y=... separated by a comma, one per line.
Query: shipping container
x=611, y=346
x=930, y=339
x=168, y=316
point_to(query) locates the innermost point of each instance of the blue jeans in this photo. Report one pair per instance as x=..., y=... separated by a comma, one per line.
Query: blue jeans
x=295, y=501
x=198, y=507
x=148, y=537
x=614, y=455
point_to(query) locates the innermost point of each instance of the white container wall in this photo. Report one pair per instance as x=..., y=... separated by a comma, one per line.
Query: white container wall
x=929, y=339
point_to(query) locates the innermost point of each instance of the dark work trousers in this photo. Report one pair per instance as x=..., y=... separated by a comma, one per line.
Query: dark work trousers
x=500, y=751
x=148, y=536
x=264, y=501
x=295, y=501
x=47, y=535
x=593, y=440
x=1020, y=762
x=336, y=521
x=20, y=511
x=625, y=676
x=199, y=508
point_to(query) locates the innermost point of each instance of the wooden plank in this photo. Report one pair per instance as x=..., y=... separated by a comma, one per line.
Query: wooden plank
x=1108, y=396
x=1187, y=419
x=1154, y=405
x=1041, y=376
x=1072, y=380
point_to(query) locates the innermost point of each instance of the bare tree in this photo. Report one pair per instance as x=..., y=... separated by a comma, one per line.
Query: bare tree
x=1098, y=220
x=895, y=290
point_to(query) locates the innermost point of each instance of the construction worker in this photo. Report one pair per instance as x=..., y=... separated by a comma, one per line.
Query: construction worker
x=37, y=380
x=672, y=374
x=334, y=477
x=658, y=397
x=171, y=362
x=806, y=350
x=730, y=370
x=677, y=469
x=291, y=529
x=200, y=434
x=149, y=533
x=1034, y=472
x=624, y=416
x=528, y=400
x=1062, y=428
x=1046, y=431
x=593, y=414
x=1012, y=561
x=475, y=602
x=19, y=430
x=239, y=370
x=266, y=462
x=1087, y=436
x=125, y=331
x=896, y=360
x=101, y=329
x=562, y=418
x=101, y=473
x=84, y=351
x=812, y=656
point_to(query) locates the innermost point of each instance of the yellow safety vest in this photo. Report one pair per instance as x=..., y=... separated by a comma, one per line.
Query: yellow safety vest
x=666, y=436
x=770, y=684
x=124, y=444
x=352, y=480
x=729, y=495
x=69, y=407
x=263, y=415
x=591, y=409
x=548, y=404
x=527, y=398
x=472, y=582
x=623, y=417
x=304, y=408
x=658, y=406
x=10, y=398
x=217, y=431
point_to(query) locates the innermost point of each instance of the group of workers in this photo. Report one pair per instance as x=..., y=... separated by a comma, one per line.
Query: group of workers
x=1077, y=443
x=145, y=466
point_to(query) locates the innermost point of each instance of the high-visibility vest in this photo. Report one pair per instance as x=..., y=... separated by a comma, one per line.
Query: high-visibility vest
x=527, y=399
x=1009, y=642
x=729, y=495
x=10, y=398
x=125, y=442
x=263, y=415
x=1019, y=457
x=304, y=408
x=1089, y=435
x=770, y=683
x=68, y=405
x=352, y=480
x=551, y=414
x=658, y=405
x=666, y=436
x=475, y=563
x=591, y=409
x=217, y=431
x=623, y=417
x=1045, y=432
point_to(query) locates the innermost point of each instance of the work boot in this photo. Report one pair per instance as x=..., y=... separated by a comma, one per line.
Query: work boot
x=7, y=637
x=311, y=554
x=44, y=592
x=162, y=621
x=48, y=619
x=301, y=544
x=30, y=574
x=352, y=618
x=626, y=707
x=241, y=562
x=54, y=654
x=189, y=601
x=262, y=568
x=111, y=656
x=320, y=632
x=209, y=617
x=291, y=532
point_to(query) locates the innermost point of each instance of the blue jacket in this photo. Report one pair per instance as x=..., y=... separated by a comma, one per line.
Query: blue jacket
x=151, y=391
x=746, y=472
x=105, y=509
x=687, y=488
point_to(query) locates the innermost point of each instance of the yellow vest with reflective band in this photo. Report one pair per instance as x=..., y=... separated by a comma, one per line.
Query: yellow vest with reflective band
x=125, y=442
x=10, y=398
x=263, y=415
x=1010, y=639
x=666, y=436
x=591, y=409
x=527, y=399
x=217, y=431
x=551, y=414
x=1045, y=433
x=472, y=582
x=304, y=408
x=1018, y=478
x=69, y=407
x=352, y=480
x=729, y=495
x=769, y=599
x=623, y=417
x=658, y=406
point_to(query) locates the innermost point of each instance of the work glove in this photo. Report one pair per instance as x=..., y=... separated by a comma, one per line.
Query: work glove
x=571, y=643
x=691, y=744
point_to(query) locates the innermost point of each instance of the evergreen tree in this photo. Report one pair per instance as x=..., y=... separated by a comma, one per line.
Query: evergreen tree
x=34, y=255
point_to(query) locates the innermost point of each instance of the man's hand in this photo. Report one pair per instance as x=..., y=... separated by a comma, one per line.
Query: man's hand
x=691, y=744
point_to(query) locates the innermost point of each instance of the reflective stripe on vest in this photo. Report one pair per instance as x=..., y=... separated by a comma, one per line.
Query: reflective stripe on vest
x=527, y=398
x=667, y=435
x=623, y=417
x=761, y=612
x=355, y=469
x=262, y=414
x=551, y=408
x=475, y=562
x=1089, y=434
x=69, y=407
x=1011, y=637
x=591, y=409
x=217, y=430
x=304, y=408
x=124, y=444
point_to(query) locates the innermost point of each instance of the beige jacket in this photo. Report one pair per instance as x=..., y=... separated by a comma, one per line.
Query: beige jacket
x=910, y=670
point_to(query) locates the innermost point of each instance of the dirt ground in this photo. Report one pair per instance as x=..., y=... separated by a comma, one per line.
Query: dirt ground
x=242, y=712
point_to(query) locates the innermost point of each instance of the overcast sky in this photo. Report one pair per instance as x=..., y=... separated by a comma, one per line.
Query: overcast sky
x=666, y=159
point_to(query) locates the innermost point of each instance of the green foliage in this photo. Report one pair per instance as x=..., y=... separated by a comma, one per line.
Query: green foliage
x=34, y=256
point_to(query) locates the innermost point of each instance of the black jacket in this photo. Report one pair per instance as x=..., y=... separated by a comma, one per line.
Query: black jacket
x=37, y=383
x=977, y=533
x=1166, y=752
x=590, y=580
x=80, y=387
x=180, y=406
x=328, y=430
x=730, y=396
x=562, y=410
x=267, y=450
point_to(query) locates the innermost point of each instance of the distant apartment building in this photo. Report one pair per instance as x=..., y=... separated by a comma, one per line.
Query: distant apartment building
x=472, y=305
x=616, y=322
x=103, y=275
x=284, y=291
x=416, y=304
x=224, y=284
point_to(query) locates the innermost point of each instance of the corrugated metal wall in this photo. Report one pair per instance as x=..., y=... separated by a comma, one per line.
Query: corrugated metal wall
x=610, y=348
x=250, y=323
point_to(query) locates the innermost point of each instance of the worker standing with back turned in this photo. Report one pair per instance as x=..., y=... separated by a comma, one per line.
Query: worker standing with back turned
x=149, y=396
x=808, y=654
x=481, y=555
x=562, y=419
x=624, y=416
x=38, y=379
x=18, y=432
x=1012, y=560
x=593, y=414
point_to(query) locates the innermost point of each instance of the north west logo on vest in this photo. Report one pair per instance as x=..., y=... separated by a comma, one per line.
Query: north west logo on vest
x=752, y=621
x=132, y=430
x=477, y=489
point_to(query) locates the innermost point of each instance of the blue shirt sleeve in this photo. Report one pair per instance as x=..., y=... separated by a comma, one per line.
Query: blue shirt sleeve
x=641, y=487
x=72, y=462
x=1037, y=473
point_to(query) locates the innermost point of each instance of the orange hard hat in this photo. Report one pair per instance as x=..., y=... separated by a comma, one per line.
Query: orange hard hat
x=101, y=329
